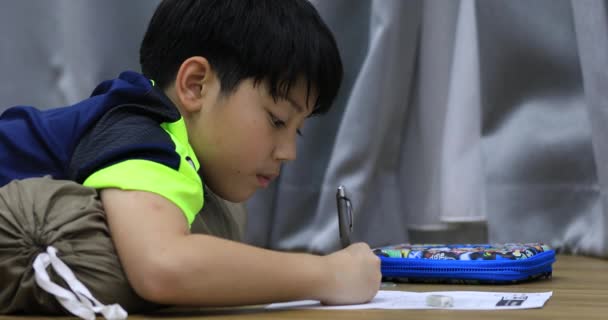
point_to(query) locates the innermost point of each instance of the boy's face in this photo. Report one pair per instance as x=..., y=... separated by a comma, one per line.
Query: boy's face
x=242, y=139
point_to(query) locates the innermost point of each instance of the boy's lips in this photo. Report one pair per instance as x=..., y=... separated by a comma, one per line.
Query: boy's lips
x=265, y=179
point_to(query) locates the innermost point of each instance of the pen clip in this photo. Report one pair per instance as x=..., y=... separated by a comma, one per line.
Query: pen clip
x=349, y=211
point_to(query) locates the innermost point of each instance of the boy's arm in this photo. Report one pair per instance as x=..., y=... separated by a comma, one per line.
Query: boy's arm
x=166, y=264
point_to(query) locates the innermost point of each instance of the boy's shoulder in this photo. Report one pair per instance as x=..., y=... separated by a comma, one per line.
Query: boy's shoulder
x=140, y=143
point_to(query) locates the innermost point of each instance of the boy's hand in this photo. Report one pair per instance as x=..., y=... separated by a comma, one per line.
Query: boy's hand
x=354, y=276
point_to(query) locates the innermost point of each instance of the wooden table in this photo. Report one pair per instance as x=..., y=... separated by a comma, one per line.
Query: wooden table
x=579, y=285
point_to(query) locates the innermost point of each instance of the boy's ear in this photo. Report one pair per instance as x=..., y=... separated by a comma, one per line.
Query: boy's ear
x=192, y=82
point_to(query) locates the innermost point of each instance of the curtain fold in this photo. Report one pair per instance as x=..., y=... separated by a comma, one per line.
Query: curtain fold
x=590, y=233
x=462, y=189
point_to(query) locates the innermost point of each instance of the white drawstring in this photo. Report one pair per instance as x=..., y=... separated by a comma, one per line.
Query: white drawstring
x=79, y=301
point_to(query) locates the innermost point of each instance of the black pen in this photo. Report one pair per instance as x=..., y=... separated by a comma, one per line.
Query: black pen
x=345, y=216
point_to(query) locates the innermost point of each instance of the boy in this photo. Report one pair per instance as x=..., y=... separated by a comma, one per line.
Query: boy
x=227, y=86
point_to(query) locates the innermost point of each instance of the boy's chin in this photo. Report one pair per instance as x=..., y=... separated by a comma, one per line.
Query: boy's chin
x=235, y=197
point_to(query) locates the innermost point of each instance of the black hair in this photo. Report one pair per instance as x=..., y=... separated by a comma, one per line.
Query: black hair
x=277, y=41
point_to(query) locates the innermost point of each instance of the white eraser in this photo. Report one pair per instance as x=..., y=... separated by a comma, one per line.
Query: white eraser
x=439, y=301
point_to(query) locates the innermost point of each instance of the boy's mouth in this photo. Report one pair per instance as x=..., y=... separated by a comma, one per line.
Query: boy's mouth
x=265, y=180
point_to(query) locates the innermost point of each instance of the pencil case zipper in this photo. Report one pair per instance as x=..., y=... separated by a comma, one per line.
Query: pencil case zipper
x=469, y=269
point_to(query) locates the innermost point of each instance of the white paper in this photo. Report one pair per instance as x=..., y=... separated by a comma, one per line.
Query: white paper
x=462, y=300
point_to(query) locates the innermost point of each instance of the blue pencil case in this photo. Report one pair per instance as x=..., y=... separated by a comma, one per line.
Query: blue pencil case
x=467, y=264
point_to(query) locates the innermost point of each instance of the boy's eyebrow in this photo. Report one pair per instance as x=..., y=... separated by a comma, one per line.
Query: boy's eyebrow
x=295, y=105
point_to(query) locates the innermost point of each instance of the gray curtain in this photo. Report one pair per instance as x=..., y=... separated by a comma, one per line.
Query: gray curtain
x=56, y=52
x=458, y=121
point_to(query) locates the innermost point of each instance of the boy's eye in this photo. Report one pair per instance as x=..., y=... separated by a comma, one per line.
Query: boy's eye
x=278, y=123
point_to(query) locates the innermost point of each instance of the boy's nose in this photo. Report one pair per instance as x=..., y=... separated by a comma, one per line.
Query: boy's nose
x=286, y=149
